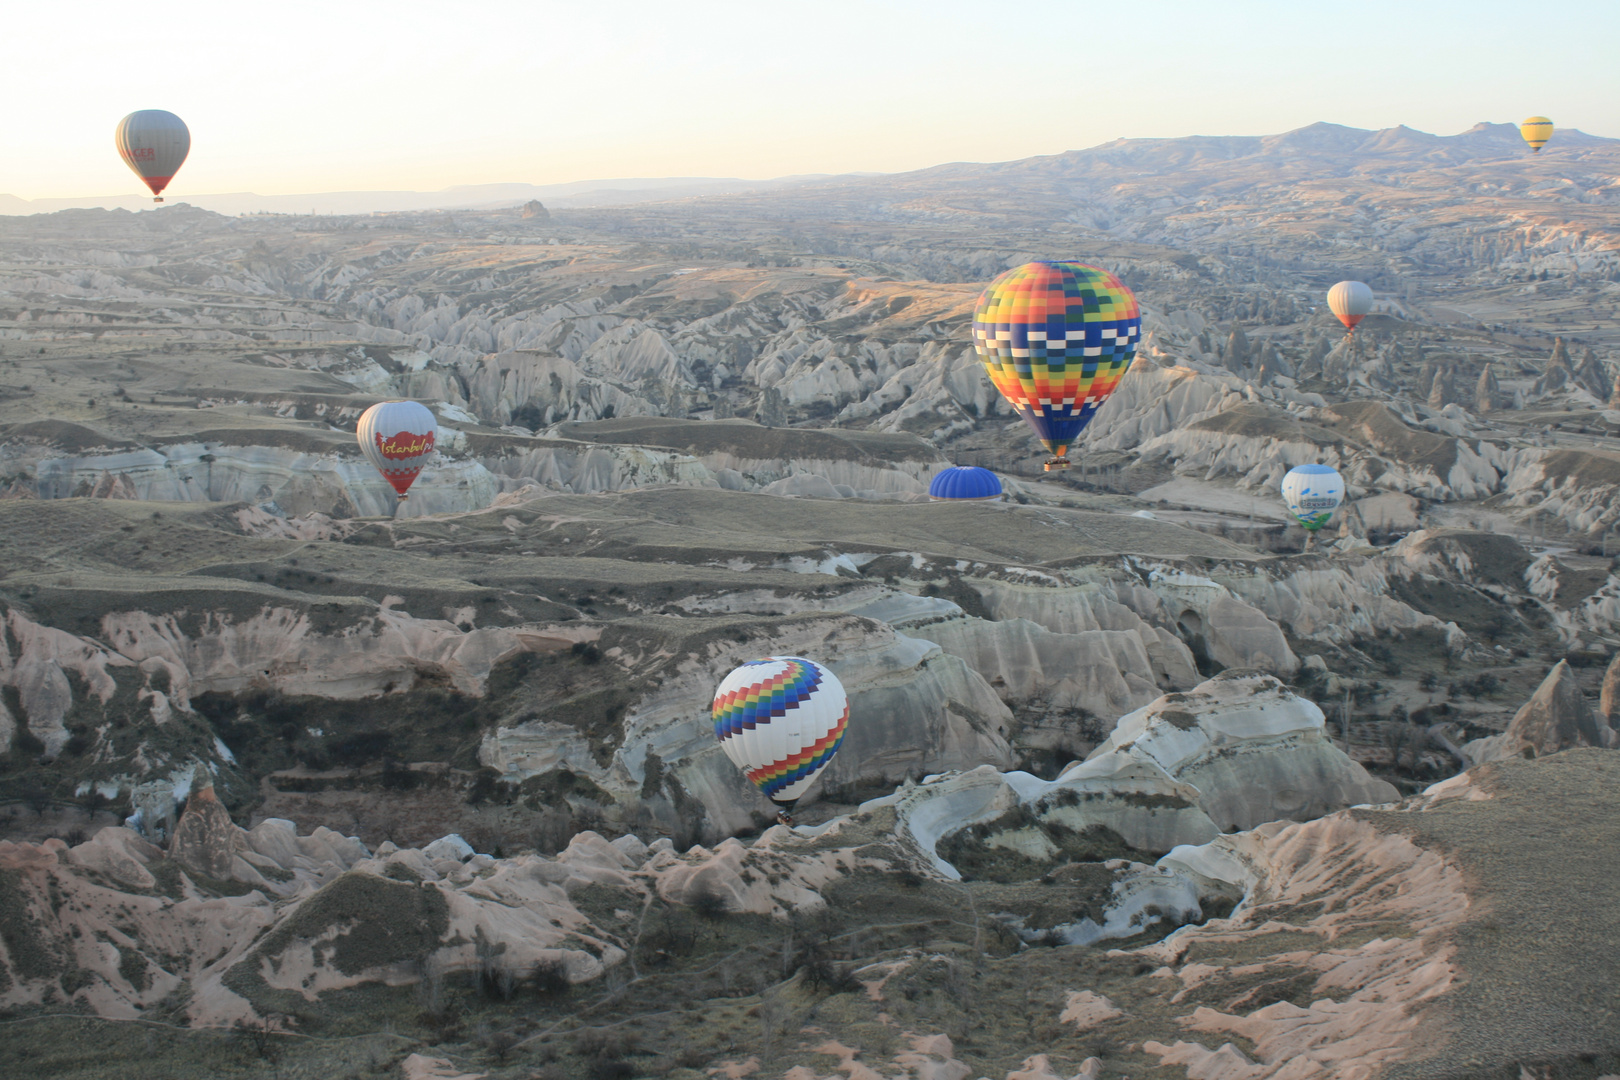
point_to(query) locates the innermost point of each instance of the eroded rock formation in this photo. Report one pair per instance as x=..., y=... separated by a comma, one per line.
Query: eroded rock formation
x=1557, y=717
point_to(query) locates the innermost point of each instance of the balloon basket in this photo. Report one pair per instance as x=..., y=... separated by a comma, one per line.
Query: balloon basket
x=1054, y=464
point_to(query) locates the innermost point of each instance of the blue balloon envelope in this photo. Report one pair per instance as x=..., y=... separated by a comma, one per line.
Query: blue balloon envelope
x=964, y=483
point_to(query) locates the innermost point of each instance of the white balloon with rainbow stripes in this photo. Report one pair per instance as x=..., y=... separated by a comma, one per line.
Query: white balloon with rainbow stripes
x=780, y=720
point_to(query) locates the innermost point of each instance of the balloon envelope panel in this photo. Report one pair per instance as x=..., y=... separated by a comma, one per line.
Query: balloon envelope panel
x=1056, y=338
x=153, y=143
x=780, y=720
x=965, y=482
x=1351, y=301
x=1312, y=493
x=397, y=437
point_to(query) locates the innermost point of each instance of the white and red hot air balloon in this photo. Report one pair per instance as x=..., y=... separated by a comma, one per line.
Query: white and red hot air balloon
x=398, y=438
x=154, y=144
x=1351, y=301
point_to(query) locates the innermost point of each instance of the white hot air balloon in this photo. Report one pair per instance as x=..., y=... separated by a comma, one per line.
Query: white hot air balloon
x=397, y=437
x=1312, y=493
x=1351, y=301
x=154, y=143
x=780, y=720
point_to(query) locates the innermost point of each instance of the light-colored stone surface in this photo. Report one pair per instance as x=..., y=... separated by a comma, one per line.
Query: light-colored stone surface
x=1374, y=994
x=422, y=1067
x=1253, y=751
x=1085, y=1010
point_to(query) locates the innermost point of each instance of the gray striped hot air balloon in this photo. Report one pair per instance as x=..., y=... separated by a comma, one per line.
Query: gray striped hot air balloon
x=154, y=144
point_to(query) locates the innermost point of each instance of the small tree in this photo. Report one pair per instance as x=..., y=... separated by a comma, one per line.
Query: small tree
x=258, y=1036
x=709, y=904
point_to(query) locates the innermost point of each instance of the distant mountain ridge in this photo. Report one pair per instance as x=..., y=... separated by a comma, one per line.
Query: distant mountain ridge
x=614, y=192
x=1482, y=142
x=1190, y=191
x=1317, y=150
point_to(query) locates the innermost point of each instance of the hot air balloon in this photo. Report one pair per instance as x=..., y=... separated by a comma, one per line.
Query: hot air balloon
x=397, y=437
x=154, y=143
x=1536, y=131
x=780, y=720
x=1351, y=301
x=964, y=483
x=1312, y=493
x=1056, y=338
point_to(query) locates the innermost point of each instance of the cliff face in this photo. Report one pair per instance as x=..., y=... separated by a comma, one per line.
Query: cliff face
x=921, y=711
x=554, y=656
x=549, y=661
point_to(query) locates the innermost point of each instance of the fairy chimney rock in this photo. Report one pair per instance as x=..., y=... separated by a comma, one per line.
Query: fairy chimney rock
x=1555, y=718
x=205, y=839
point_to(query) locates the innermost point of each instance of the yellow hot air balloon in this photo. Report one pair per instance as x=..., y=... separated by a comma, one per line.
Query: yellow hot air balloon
x=1536, y=131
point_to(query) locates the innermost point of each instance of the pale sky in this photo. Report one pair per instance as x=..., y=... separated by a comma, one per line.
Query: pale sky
x=340, y=95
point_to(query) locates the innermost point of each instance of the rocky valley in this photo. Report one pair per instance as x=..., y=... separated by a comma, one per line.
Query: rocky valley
x=303, y=780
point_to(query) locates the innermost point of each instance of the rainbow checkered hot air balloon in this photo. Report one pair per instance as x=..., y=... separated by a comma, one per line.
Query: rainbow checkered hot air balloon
x=780, y=720
x=1056, y=338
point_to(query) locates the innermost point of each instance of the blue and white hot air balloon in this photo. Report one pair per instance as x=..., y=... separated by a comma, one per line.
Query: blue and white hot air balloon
x=1312, y=493
x=962, y=483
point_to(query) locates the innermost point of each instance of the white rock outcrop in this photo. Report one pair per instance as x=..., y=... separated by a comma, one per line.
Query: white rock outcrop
x=1252, y=750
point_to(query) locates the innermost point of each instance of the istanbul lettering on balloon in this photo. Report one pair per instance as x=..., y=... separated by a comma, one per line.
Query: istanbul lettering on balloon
x=404, y=444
